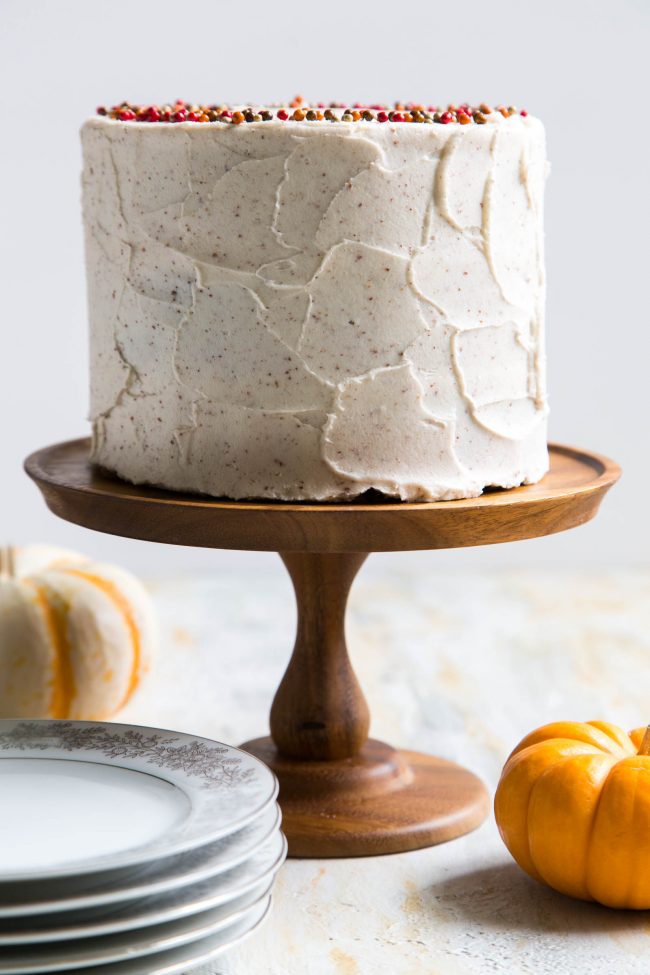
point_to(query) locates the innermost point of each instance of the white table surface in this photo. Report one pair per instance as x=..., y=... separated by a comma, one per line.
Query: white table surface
x=460, y=665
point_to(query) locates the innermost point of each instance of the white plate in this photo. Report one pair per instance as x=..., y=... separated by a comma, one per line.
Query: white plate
x=72, y=955
x=179, y=961
x=246, y=884
x=173, y=873
x=117, y=795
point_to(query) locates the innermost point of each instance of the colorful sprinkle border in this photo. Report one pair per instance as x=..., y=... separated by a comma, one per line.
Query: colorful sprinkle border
x=300, y=111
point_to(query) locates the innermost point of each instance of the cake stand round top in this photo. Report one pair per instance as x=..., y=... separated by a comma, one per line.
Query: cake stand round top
x=77, y=491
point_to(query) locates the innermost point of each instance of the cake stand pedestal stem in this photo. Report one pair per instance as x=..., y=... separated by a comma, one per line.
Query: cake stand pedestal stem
x=319, y=711
x=341, y=793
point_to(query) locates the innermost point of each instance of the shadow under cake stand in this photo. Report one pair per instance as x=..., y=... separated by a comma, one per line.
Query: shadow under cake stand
x=342, y=794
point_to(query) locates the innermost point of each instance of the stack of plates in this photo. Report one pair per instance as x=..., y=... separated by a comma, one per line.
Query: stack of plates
x=127, y=850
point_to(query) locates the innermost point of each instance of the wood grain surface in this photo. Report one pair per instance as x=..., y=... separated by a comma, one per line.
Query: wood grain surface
x=380, y=801
x=319, y=711
x=75, y=490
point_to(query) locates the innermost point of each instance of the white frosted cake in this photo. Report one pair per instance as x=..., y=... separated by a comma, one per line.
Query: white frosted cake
x=307, y=303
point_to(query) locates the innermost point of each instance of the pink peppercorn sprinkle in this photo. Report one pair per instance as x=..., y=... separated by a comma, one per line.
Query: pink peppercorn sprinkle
x=182, y=111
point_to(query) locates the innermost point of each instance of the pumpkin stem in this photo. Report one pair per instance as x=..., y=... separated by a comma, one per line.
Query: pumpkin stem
x=7, y=562
x=645, y=744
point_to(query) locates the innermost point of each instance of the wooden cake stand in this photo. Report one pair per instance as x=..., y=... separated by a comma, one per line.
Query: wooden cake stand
x=342, y=794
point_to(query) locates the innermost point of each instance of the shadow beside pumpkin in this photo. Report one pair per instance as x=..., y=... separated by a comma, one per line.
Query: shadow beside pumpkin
x=503, y=898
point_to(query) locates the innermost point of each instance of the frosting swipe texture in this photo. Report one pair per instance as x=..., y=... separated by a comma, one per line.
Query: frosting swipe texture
x=306, y=312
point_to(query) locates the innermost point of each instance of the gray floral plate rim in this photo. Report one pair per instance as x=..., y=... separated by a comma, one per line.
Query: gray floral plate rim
x=226, y=787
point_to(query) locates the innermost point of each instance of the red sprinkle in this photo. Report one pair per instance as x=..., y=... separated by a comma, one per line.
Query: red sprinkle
x=126, y=116
x=193, y=117
x=283, y=115
x=446, y=118
x=397, y=117
x=382, y=117
x=153, y=115
x=524, y=112
x=179, y=116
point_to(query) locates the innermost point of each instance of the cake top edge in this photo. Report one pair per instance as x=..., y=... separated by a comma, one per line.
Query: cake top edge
x=300, y=111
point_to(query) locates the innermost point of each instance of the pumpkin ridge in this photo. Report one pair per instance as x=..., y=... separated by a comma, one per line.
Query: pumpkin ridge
x=592, y=828
x=565, y=760
x=521, y=758
x=631, y=877
x=610, y=730
x=121, y=603
x=63, y=683
x=566, y=730
x=593, y=749
x=538, y=875
x=630, y=873
x=638, y=888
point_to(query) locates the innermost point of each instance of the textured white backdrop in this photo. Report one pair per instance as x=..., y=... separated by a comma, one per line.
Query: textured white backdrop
x=579, y=65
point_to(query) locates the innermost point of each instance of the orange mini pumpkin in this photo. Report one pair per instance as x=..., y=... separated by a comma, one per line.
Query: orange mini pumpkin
x=573, y=808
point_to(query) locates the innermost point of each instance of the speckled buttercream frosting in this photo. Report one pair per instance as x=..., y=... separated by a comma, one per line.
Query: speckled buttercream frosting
x=300, y=307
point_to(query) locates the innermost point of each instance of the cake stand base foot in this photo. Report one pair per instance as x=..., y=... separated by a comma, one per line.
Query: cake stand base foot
x=382, y=800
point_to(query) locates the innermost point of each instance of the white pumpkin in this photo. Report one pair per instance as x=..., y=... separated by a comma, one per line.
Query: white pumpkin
x=75, y=636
